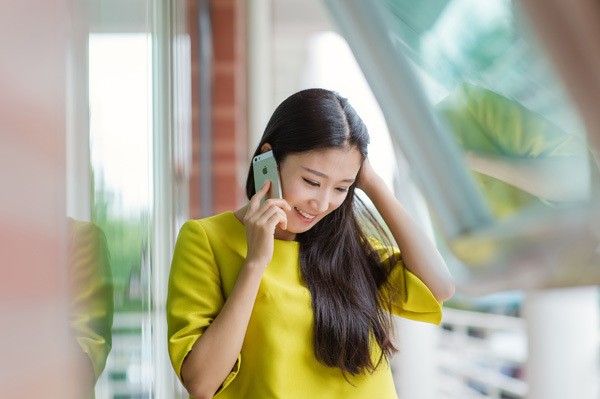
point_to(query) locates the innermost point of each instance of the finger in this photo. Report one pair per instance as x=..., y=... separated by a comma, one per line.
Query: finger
x=265, y=187
x=261, y=215
x=271, y=217
x=279, y=219
x=279, y=202
x=265, y=213
x=259, y=195
x=283, y=222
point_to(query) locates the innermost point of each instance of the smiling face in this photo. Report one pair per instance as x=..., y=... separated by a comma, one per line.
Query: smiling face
x=315, y=183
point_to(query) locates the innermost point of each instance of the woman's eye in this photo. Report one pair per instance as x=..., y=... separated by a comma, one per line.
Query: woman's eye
x=342, y=190
x=311, y=182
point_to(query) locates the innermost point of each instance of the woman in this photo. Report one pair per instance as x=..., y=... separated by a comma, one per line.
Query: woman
x=292, y=298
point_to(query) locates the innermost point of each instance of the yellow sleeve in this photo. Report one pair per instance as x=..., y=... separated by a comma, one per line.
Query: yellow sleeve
x=91, y=292
x=409, y=296
x=194, y=298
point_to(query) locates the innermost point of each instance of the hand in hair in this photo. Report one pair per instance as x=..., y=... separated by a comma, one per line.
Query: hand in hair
x=366, y=176
x=261, y=221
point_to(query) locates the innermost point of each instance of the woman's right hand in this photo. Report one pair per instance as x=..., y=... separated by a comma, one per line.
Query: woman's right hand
x=209, y=362
x=261, y=222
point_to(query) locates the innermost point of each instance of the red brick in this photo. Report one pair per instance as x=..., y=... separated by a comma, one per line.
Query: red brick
x=224, y=89
x=223, y=25
x=228, y=106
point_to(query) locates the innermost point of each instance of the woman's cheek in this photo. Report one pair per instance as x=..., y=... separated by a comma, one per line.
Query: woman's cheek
x=292, y=192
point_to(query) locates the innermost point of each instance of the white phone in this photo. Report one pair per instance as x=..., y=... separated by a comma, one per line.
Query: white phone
x=265, y=168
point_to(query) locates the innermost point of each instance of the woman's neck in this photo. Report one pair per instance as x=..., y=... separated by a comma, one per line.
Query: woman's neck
x=284, y=235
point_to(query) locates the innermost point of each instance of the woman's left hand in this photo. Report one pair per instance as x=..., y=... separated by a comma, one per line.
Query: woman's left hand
x=366, y=177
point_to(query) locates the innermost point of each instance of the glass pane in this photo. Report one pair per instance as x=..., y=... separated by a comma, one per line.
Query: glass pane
x=120, y=94
x=484, y=76
x=497, y=149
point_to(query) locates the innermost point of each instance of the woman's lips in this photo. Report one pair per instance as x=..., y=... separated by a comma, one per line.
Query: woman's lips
x=307, y=217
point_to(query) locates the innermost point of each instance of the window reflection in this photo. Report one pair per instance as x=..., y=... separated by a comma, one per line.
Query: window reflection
x=521, y=159
x=120, y=72
x=91, y=303
x=501, y=91
x=500, y=100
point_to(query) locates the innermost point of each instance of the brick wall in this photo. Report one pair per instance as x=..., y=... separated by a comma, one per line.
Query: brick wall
x=229, y=133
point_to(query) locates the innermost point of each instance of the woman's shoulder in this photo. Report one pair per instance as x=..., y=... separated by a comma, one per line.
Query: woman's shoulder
x=222, y=224
x=226, y=218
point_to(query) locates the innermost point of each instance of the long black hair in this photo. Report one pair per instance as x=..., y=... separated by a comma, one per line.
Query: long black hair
x=339, y=266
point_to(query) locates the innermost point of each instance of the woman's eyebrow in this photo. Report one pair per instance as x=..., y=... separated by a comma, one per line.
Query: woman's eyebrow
x=320, y=174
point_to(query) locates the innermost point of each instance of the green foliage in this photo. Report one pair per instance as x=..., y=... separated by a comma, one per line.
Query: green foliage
x=127, y=236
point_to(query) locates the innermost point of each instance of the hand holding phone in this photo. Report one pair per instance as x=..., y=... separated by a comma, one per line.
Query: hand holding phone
x=264, y=168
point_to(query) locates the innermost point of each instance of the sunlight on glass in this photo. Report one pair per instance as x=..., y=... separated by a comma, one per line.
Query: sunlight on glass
x=120, y=115
x=120, y=92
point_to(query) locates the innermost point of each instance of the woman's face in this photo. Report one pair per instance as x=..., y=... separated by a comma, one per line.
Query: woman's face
x=315, y=183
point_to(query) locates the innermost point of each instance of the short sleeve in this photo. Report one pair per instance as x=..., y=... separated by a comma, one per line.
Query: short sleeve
x=409, y=296
x=194, y=297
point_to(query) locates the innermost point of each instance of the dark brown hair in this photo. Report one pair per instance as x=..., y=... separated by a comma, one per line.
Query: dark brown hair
x=339, y=266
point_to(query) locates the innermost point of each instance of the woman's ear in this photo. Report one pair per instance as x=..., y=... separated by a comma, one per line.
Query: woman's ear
x=265, y=147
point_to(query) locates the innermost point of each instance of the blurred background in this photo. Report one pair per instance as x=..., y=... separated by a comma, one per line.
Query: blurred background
x=120, y=120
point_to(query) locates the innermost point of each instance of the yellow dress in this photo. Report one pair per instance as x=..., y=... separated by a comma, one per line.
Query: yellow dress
x=277, y=358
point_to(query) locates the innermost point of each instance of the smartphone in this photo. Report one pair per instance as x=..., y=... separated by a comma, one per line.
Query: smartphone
x=265, y=168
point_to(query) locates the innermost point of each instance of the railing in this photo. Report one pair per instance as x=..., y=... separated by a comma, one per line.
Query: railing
x=128, y=372
x=482, y=355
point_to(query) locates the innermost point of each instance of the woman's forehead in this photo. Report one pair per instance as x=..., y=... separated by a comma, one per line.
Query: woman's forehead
x=333, y=162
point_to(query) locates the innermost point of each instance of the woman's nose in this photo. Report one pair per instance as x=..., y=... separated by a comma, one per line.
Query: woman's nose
x=320, y=202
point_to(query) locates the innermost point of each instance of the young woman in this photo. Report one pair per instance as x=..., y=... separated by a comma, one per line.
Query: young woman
x=293, y=298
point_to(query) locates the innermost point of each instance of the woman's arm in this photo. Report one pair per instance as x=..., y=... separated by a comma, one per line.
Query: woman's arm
x=214, y=354
x=419, y=254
